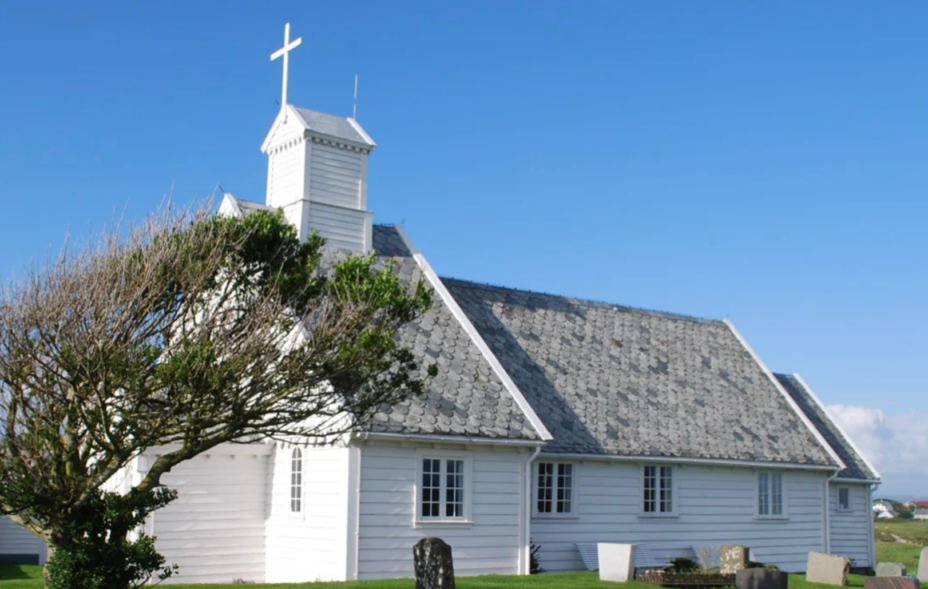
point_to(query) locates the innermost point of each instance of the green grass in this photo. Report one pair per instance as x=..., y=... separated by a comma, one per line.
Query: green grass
x=30, y=577
x=907, y=554
x=915, y=531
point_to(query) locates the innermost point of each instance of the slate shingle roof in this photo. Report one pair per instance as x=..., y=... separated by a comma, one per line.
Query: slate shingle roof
x=332, y=126
x=612, y=380
x=856, y=466
x=467, y=397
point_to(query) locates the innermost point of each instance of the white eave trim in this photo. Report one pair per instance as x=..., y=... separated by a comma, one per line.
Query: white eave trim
x=789, y=399
x=436, y=438
x=840, y=431
x=475, y=336
x=682, y=460
x=362, y=132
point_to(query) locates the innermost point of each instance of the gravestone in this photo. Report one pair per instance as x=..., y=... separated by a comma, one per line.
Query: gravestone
x=827, y=569
x=890, y=569
x=616, y=562
x=923, y=566
x=732, y=558
x=891, y=583
x=433, y=563
x=761, y=579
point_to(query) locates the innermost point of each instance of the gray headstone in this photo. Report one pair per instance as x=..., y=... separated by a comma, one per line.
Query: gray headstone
x=732, y=558
x=433, y=563
x=761, y=579
x=827, y=569
x=923, y=566
x=890, y=569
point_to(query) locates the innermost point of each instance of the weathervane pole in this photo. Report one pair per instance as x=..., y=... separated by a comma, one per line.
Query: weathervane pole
x=354, y=110
x=285, y=52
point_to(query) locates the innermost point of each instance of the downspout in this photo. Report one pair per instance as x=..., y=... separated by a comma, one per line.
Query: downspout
x=873, y=487
x=828, y=511
x=527, y=515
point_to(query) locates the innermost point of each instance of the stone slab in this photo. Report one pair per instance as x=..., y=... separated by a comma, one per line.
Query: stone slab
x=923, y=566
x=891, y=583
x=733, y=558
x=616, y=562
x=890, y=569
x=433, y=564
x=827, y=569
x=761, y=579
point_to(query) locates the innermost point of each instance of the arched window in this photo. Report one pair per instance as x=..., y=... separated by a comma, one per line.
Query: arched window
x=296, y=481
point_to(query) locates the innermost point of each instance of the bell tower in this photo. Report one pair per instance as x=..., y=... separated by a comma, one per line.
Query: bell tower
x=317, y=170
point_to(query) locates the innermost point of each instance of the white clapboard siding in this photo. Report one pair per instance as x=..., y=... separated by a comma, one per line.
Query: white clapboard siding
x=336, y=176
x=341, y=227
x=285, y=178
x=310, y=545
x=215, y=529
x=850, y=530
x=714, y=506
x=387, y=512
x=19, y=545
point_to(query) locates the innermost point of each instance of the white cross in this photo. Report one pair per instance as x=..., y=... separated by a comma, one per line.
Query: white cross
x=285, y=51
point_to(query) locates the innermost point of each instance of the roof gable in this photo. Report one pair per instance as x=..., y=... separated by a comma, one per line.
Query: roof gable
x=856, y=466
x=612, y=380
x=295, y=120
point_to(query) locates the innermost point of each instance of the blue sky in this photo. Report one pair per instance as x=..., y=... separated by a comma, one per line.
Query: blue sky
x=764, y=162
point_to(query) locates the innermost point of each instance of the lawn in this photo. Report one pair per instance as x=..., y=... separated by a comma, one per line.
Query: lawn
x=29, y=577
x=914, y=531
x=907, y=554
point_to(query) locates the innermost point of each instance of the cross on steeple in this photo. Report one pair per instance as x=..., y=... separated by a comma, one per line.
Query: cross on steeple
x=285, y=52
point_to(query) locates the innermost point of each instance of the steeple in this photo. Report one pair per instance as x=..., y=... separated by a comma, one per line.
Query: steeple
x=317, y=170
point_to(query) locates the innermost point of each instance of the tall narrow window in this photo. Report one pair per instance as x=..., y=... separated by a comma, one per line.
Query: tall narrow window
x=443, y=489
x=658, y=490
x=555, y=488
x=296, y=481
x=844, y=499
x=770, y=499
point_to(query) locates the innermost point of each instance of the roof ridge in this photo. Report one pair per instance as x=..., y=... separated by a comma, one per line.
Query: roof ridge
x=587, y=302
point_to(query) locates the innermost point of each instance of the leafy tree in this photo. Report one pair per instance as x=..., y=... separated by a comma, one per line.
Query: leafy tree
x=185, y=332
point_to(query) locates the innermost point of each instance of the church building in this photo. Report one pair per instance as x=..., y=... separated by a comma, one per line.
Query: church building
x=553, y=421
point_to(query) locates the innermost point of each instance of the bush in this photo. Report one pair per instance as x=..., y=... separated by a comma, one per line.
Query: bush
x=683, y=565
x=760, y=565
x=534, y=565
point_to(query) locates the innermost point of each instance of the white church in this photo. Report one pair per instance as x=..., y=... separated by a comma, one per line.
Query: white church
x=553, y=420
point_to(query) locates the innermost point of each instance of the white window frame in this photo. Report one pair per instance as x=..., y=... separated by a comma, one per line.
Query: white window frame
x=838, y=506
x=770, y=475
x=674, y=494
x=443, y=520
x=297, y=501
x=572, y=514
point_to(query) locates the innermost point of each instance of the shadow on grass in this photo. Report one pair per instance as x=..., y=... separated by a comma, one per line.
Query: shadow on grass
x=18, y=572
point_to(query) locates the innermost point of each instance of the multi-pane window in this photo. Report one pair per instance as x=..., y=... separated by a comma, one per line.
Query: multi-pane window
x=844, y=499
x=555, y=488
x=658, y=489
x=770, y=494
x=443, y=488
x=296, y=481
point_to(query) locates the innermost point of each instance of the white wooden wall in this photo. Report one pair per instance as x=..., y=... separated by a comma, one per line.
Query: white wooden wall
x=19, y=545
x=715, y=506
x=311, y=545
x=850, y=530
x=387, y=511
x=335, y=176
x=215, y=529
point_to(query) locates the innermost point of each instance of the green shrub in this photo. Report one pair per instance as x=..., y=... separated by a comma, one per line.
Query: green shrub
x=683, y=565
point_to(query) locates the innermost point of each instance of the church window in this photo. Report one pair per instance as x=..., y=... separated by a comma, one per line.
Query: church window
x=658, y=491
x=771, y=501
x=554, y=488
x=443, y=488
x=296, y=481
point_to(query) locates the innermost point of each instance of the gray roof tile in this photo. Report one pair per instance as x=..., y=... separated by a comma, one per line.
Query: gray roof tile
x=606, y=379
x=332, y=126
x=856, y=466
x=467, y=398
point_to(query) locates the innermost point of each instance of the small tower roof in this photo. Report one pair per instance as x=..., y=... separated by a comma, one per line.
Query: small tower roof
x=344, y=129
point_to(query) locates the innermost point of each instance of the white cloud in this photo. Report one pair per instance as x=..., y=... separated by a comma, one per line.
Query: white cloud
x=896, y=444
